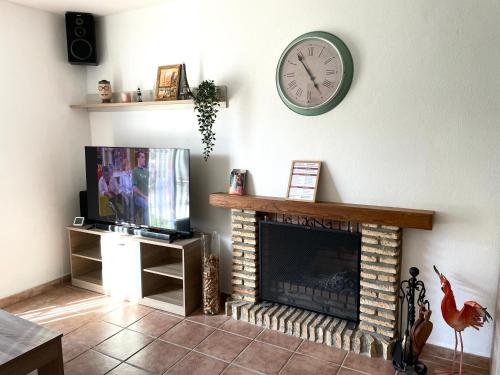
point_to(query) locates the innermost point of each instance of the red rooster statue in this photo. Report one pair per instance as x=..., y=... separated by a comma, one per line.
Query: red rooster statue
x=471, y=315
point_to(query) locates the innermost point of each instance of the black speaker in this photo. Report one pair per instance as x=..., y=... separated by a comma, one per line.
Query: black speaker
x=83, y=204
x=80, y=37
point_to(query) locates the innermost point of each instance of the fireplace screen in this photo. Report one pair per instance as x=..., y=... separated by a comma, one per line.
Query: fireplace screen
x=312, y=268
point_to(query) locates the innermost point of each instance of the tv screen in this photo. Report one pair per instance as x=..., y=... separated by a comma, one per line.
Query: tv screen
x=147, y=187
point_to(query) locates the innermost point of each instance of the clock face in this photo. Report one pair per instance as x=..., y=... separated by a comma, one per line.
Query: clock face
x=311, y=72
x=314, y=73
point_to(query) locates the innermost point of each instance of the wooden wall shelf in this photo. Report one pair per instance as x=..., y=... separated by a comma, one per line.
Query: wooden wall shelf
x=401, y=217
x=94, y=105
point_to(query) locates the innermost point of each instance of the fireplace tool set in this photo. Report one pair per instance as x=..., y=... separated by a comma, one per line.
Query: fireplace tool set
x=413, y=335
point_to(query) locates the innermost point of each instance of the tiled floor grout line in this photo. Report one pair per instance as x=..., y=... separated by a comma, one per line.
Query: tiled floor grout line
x=353, y=369
x=244, y=368
x=121, y=330
x=286, y=363
x=176, y=363
x=141, y=368
x=343, y=361
x=91, y=347
x=250, y=343
x=276, y=346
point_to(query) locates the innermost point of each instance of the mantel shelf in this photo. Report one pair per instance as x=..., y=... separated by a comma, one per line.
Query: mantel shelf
x=401, y=217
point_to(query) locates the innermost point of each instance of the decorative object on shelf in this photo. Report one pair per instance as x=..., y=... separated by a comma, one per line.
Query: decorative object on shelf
x=206, y=101
x=105, y=91
x=303, y=180
x=184, y=90
x=126, y=97
x=167, y=82
x=472, y=315
x=314, y=73
x=237, y=181
x=139, y=95
x=411, y=342
x=78, y=221
x=210, y=277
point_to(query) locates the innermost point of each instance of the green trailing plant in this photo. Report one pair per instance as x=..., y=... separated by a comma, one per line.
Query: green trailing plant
x=205, y=104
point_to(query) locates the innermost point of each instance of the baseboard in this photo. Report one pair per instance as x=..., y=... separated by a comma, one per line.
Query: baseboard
x=18, y=297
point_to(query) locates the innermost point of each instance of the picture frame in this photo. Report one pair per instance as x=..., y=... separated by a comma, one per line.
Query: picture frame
x=303, y=180
x=168, y=82
x=237, y=181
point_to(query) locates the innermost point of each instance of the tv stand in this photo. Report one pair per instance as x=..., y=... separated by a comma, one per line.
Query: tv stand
x=163, y=274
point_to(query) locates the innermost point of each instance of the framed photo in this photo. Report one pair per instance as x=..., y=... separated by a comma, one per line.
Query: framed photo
x=167, y=82
x=237, y=181
x=303, y=181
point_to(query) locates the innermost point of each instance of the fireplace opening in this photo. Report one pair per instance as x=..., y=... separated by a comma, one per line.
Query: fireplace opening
x=311, y=268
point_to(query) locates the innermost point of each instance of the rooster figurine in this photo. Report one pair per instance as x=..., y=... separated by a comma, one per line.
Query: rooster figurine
x=471, y=315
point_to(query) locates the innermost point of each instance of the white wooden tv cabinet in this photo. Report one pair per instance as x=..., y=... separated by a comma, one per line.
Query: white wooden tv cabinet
x=153, y=272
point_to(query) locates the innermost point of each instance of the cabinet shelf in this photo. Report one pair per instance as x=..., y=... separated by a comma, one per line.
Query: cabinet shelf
x=170, y=294
x=93, y=253
x=169, y=269
x=93, y=277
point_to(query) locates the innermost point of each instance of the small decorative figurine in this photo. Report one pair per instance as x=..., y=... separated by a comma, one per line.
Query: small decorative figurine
x=139, y=94
x=126, y=97
x=471, y=315
x=105, y=92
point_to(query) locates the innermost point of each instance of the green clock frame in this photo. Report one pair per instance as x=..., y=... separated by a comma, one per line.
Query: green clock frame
x=345, y=84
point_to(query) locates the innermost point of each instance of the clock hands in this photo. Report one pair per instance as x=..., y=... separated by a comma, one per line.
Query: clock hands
x=313, y=79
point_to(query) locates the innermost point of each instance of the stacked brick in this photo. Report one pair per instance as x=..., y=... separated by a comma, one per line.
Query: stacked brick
x=312, y=326
x=380, y=274
x=380, y=271
x=245, y=255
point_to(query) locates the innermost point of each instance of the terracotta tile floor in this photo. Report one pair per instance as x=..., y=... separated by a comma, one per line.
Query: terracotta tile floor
x=102, y=336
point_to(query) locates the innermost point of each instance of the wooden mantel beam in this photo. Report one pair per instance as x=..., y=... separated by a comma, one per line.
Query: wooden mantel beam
x=400, y=217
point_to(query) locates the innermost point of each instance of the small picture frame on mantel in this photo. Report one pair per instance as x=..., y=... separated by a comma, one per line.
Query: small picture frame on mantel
x=303, y=181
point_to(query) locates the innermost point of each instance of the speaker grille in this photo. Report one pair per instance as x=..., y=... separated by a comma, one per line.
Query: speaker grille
x=80, y=35
x=81, y=49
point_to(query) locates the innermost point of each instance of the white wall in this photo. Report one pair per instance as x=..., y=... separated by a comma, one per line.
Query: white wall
x=418, y=129
x=41, y=147
x=495, y=352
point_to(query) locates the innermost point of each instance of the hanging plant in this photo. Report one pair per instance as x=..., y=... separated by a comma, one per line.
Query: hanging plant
x=205, y=104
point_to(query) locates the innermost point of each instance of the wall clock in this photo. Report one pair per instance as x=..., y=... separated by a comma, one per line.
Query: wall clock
x=314, y=73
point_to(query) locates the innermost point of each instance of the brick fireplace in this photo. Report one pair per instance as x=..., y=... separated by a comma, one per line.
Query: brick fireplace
x=380, y=261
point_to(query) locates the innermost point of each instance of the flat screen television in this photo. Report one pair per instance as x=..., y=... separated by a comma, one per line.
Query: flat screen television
x=142, y=187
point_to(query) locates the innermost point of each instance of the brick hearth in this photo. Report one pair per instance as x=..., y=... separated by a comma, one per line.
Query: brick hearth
x=380, y=273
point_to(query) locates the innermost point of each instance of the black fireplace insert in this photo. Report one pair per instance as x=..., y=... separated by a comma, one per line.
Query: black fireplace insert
x=315, y=269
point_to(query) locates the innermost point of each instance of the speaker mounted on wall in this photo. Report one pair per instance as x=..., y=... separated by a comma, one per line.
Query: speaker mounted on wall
x=80, y=37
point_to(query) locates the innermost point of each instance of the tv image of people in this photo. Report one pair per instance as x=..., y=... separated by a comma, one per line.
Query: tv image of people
x=123, y=191
x=143, y=186
x=140, y=188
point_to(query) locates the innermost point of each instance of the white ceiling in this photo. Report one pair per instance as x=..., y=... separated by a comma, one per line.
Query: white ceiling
x=97, y=7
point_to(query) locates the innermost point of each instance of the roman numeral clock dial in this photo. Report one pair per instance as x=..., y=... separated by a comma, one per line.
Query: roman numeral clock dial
x=314, y=73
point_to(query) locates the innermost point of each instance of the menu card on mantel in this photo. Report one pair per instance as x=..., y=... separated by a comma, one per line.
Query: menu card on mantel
x=303, y=181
